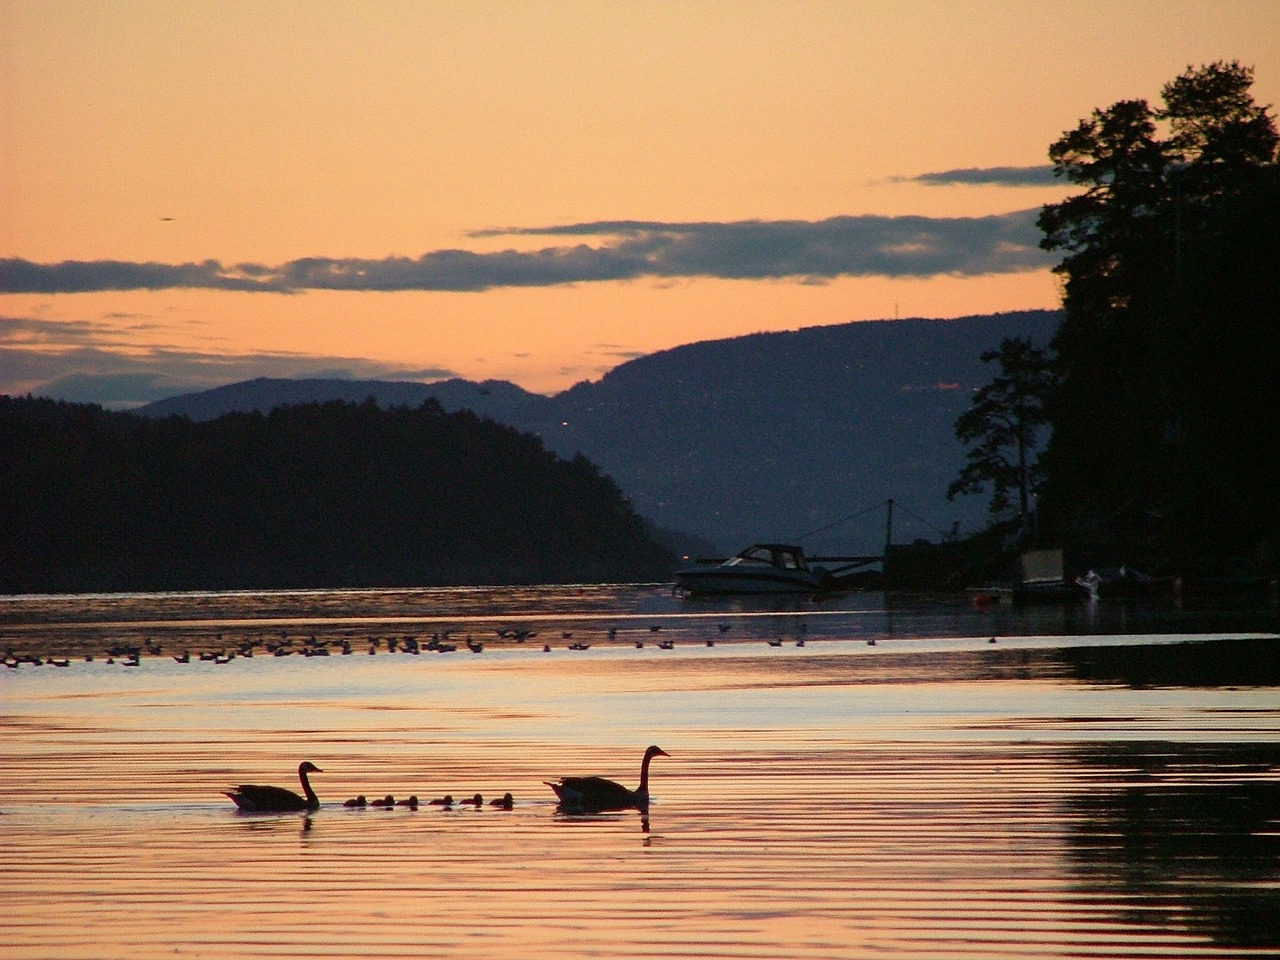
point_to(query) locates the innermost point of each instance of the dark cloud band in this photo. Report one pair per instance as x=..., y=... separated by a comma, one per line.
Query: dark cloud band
x=810, y=251
x=1041, y=176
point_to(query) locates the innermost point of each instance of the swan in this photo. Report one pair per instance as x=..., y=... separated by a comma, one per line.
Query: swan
x=255, y=798
x=595, y=794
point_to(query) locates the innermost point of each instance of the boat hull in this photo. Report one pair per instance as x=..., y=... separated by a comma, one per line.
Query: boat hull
x=719, y=581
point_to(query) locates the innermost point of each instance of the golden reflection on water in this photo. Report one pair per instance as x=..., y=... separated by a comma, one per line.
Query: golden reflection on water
x=820, y=803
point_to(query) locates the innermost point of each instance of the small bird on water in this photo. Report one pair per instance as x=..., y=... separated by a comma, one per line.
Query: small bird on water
x=255, y=798
x=596, y=794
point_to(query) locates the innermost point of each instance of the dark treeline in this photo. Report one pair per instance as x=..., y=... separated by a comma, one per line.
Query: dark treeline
x=1161, y=386
x=314, y=495
x=1166, y=419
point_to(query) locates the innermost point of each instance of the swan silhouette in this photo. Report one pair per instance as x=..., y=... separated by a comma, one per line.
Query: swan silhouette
x=255, y=798
x=596, y=794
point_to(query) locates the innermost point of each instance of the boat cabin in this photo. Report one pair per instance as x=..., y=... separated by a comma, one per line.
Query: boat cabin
x=780, y=555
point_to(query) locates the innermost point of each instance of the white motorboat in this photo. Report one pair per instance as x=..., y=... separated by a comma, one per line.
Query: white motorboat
x=761, y=568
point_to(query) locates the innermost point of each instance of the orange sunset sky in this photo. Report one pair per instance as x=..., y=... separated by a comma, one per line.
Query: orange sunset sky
x=201, y=192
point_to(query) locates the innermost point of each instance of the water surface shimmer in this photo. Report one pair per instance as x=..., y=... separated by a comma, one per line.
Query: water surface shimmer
x=1072, y=794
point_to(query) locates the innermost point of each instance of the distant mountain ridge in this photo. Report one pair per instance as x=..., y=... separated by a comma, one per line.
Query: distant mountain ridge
x=265, y=393
x=766, y=436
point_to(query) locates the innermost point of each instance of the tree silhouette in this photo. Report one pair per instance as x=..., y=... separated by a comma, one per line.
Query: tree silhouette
x=1001, y=426
x=1163, y=423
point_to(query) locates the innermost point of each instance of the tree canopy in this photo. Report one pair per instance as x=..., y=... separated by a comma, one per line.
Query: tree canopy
x=1164, y=423
x=1002, y=424
x=330, y=494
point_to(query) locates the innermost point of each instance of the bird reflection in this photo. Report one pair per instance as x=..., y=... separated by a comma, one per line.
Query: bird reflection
x=614, y=816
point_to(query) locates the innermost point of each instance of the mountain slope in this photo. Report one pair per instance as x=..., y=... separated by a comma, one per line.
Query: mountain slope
x=768, y=436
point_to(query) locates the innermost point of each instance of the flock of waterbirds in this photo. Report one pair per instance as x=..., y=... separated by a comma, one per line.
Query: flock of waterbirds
x=576, y=795
x=223, y=650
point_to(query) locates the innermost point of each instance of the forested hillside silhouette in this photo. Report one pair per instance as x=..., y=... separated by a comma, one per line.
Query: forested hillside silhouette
x=766, y=436
x=328, y=494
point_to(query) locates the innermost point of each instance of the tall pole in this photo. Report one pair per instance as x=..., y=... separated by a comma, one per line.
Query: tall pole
x=888, y=525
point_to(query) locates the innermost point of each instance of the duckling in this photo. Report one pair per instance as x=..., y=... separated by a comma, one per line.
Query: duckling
x=357, y=802
x=506, y=802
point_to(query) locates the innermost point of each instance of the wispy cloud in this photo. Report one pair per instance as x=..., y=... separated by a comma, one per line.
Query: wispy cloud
x=1039, y=176
x=86, y=362
x=797, y=250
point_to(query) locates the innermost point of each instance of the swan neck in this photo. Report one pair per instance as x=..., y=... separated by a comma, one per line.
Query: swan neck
x=312, y=799
x=644, y=774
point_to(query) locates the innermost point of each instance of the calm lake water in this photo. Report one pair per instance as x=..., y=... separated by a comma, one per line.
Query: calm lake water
x=856, y=777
